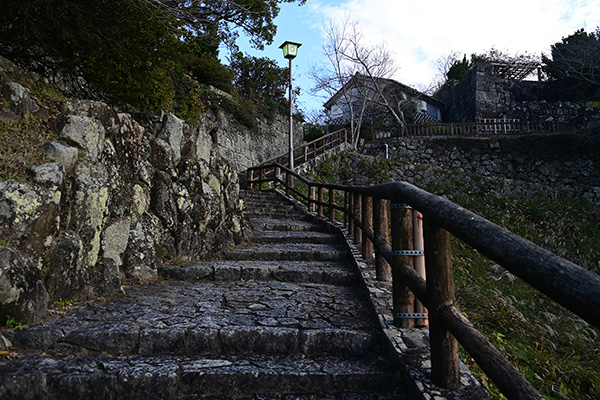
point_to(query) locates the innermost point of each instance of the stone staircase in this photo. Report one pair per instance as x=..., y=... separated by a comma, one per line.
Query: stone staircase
x=282, y=316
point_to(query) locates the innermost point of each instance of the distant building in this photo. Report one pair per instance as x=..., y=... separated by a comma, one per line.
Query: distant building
x=499, y=92
x=361, y=95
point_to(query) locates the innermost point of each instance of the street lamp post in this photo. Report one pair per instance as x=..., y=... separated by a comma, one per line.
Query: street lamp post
x=290, y=51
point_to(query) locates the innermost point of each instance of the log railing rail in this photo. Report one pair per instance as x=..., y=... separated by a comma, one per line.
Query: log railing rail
x=570, y=285
x=484, y=127
x=313, y=149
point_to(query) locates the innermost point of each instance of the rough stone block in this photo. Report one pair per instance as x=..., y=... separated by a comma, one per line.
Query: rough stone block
x=228, y=272
x=62, y=154
x=24, y=386
x=337, y=342
x=162, y=341
x=261, y=340
x=51, y=174
x=172, y=133
x=36, y=336
x=19, y=98
x=110, y=337
x=115, y=238
x=203, y=341
x=23, y=295
x=83, y=385
x=87, y=133
x=66, y=264
x=147, y=381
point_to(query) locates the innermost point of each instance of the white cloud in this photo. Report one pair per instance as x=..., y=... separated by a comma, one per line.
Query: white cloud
x=420, y=32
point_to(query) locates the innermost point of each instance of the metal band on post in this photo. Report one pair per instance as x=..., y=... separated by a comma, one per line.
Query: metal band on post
x=410, y=253
x=410, y=315
x=398, y=206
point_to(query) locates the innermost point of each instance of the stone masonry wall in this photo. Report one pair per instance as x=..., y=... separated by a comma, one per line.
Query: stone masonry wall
x=117, y=199
x=510, y=165
x=121, y=194
x=244, y=148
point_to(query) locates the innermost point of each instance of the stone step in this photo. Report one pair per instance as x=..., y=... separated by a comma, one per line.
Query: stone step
x=288, y=251
x=275, y=214
x=267, y=204
x=169, y=377
x=293, y=237
x=327, y=272
x=271, y=224
x=214, y=318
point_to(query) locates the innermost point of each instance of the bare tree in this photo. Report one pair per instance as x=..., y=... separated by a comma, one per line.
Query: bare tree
x=332, y=79
x=358, y=77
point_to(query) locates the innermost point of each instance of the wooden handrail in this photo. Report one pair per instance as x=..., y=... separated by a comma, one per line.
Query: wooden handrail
x=568, y=284
x=328, y=141
x=491, y=127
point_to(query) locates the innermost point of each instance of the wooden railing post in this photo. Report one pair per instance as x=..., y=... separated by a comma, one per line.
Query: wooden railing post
x=367, y=222
x=351, y=213
x=262, y=178
x=347, y=198
x=357, y=218
x=402, y=247
x=383, y=270
x=320, y=201
x=419, y=262
x=311, y=198
x=288, y=181
x=331, y=204
x=277, y=177
x=251, y=179
x=440, y=288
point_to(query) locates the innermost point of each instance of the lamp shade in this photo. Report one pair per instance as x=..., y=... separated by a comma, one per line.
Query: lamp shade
x=290, y=49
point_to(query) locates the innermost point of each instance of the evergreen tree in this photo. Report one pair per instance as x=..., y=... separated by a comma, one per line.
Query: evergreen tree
x=575, y=64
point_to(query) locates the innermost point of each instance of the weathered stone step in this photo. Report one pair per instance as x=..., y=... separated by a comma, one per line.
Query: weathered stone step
x=215, y=318
x=288, y=251
x=293, y=237
x=273, y=201
x=168, y=377
x=271, y=224
x=275, y=214
x=328, y=272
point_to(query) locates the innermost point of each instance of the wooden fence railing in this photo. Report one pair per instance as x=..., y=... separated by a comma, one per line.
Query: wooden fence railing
x=570, y=285
x=313, y=149
x=484, y=127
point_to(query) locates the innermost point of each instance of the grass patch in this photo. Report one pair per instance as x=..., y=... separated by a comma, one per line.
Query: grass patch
x=21, y=141
x=557, y=351
x=21, y=146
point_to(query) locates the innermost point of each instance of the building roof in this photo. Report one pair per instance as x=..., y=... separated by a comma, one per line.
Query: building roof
x=404, y=88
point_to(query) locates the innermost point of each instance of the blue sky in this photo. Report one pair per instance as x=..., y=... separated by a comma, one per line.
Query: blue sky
x=421, y=32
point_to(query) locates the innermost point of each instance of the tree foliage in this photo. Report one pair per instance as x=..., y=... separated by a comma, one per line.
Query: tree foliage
x=575, y=64
x=129, y=48
x=114, y=45
x=459, y=69
x=259, y=78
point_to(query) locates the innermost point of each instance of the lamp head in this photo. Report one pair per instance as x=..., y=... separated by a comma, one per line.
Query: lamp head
x=290, y=49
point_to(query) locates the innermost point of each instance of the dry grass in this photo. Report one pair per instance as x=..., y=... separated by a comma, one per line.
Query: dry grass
x=556, y=350
x=21, y=146
x=21, y=141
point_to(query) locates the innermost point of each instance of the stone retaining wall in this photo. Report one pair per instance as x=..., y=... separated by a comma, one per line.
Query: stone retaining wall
x=120, y=195
x=520, y=165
